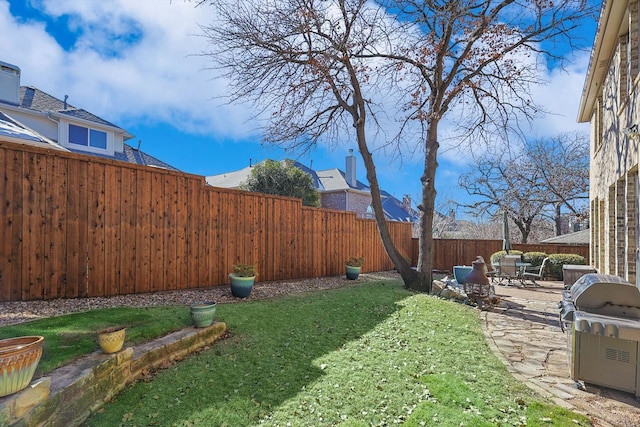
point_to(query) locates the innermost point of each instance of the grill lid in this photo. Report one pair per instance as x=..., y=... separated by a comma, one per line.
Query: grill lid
x=605, y=294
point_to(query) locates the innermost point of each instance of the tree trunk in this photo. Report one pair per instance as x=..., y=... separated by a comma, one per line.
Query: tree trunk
x=412, y=278
x=425, y=257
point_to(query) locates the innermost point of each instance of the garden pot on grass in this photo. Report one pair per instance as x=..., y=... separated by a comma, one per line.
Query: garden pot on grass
x=111, y=340
x=19, y=358
x=202, y=313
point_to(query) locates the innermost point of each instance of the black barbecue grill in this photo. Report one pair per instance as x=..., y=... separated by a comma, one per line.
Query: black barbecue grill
x=601, y=312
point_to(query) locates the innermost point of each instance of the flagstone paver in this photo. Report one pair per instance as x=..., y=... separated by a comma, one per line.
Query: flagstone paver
x=524, y=331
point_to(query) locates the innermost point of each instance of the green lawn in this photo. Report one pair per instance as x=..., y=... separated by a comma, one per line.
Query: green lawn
x=69, y=337
x=368, y=355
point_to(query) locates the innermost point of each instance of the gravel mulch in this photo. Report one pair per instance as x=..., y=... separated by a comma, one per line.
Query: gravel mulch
x=18, y=312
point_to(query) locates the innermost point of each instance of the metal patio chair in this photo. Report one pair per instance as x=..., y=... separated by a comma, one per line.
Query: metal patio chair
x=538, y=274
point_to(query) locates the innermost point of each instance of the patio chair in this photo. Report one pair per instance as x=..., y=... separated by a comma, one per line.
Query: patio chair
x=508, y=270
x=538, y=274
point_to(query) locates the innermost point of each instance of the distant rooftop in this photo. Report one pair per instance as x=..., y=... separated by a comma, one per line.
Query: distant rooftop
x=579, y=237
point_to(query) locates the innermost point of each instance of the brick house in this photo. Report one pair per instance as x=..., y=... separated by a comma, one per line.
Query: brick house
x=611, y=103
x=338, y=189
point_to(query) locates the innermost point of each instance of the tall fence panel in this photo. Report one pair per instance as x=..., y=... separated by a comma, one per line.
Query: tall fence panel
x=78, y=226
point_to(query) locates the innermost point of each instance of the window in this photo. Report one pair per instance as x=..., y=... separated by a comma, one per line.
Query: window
x=86, y=137
x=598, y=125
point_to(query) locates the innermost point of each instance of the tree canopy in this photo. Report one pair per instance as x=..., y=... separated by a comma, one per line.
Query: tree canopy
x=284, y=179
x=343, y=70
x=531, y=182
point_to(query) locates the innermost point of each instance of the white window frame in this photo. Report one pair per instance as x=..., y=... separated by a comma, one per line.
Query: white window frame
x=64, y=137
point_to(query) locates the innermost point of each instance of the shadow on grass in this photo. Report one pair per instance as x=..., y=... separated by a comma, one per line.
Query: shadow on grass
x=270, y=357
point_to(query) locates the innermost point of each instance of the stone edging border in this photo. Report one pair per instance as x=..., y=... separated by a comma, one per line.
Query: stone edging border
x=73, y=392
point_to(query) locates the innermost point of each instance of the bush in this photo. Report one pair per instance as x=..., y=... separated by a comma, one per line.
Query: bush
x=495, y=257
x=556, y=261
x=535, y=258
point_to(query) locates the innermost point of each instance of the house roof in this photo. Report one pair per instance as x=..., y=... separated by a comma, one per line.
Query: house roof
x=613, y=22
x=334, y=180
x=34, y=99
x=325, y=180
x=235, y=179
x=132, y=155
x=328, y=180
x=14, y=131
x=39, y=101
x=581, y=237
x=396, y=211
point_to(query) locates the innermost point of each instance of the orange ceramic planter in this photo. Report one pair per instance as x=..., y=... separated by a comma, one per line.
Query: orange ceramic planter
x=19, y=358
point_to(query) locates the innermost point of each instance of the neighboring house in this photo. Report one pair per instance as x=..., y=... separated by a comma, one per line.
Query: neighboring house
x=14, y=131
x=577, y=238
x=338, y=190
x=610, y=102
x=32, y=116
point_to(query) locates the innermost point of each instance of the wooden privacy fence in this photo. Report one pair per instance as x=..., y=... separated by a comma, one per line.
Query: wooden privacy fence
x=78, y=226
x=450, y=252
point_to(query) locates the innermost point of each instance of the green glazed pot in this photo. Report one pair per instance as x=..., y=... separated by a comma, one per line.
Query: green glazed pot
x=352, y=272
x=202, y=313
x=241, y=287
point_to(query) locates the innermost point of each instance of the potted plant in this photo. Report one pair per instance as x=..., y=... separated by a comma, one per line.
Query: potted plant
x=202, y=313
x=242, y=280
x=111, y=339
x=353, y=266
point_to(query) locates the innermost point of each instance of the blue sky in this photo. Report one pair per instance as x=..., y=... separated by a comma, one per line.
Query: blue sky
x=136, y=64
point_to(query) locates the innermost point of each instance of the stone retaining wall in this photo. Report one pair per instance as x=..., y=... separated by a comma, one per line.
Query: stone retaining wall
x=74, y=392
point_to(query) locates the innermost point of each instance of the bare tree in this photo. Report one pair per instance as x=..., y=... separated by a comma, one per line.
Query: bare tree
x=563, y=165
x=478, y=61
x=319, y=69
x=505, y=183
x=531, y=183
x=309, y=67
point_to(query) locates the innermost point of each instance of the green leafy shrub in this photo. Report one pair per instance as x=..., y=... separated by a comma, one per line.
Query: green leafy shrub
x=495, y=257
x=535, y=258
x=556, y=261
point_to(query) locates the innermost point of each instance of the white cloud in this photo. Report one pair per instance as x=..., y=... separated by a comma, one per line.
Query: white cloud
x=561, y=97
x=158, y=77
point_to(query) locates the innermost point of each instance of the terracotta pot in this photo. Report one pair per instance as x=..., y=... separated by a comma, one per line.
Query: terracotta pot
x=111, y=340
x=19, y=358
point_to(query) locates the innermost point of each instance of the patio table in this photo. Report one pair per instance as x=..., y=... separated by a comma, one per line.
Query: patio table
x=521, y=267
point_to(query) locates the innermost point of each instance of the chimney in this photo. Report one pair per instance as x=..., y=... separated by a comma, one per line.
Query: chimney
x=406, y=202
x=350, y=171
x=9, y=83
